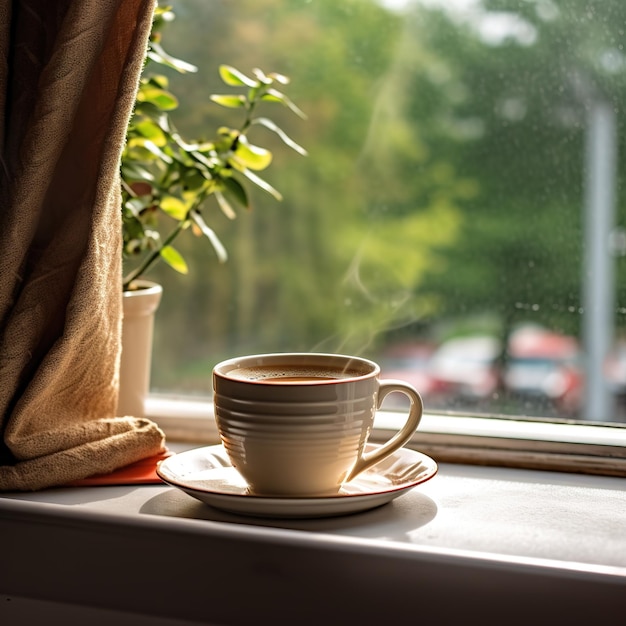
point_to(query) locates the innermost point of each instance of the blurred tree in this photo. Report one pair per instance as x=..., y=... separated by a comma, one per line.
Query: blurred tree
x=340, y=260
x=527, y=93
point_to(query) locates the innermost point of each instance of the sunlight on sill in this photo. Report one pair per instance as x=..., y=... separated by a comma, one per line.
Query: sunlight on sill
x=448, y=438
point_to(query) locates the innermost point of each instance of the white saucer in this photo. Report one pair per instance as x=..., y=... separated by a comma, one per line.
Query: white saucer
x=207, y=474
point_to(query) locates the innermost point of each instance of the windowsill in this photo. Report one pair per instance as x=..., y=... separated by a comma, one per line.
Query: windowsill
x=470, y=537
x=501, y=545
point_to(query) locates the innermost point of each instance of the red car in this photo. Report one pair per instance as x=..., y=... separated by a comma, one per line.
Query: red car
x=545, y=366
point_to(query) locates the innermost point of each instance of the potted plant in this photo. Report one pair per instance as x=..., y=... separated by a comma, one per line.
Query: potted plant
x=168, y=181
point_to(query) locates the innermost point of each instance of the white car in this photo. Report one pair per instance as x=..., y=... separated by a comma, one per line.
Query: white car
x=467, y=367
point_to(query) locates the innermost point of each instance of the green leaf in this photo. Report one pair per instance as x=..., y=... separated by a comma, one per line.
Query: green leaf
x=259, y=182
x=262, y=76
x=154, y=149
x=150, y=130
x=133, y=172
x=225, y=205
x=192, y=181
x=158, y=55
x=279, y=78
x=156, y=80
x=229, y=101
x=135, y=206
x=174, y=259
x=254, y=157
x=232, y=76
x=198, y=156
x=164, y=13
x=136, y=151
x=174, y=207
x=235, y=189
x=264, y=121
x=162, y=99
x=164, y=122
x=209, y=233
x=273, y=95
x=183, y=145
x=147, y=109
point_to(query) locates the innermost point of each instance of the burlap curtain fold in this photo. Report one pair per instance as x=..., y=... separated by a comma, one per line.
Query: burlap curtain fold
x=69, y=71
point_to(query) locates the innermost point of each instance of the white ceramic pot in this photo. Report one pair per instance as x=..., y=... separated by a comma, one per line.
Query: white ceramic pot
x=139, y=307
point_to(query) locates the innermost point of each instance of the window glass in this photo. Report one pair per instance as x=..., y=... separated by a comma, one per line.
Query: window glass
x=459, y=214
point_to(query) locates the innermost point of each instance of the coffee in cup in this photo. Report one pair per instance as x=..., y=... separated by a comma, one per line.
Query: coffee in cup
x=296, y=424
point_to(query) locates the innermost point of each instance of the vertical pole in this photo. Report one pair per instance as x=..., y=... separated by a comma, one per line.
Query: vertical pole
x=598, y=271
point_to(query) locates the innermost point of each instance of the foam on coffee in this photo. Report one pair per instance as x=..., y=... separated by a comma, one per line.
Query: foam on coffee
x=294, y=374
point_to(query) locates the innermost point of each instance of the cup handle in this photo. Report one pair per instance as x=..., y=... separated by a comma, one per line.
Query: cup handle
x=403, y=436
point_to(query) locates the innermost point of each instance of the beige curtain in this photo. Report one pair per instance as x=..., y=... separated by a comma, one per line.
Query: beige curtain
x=68, y=78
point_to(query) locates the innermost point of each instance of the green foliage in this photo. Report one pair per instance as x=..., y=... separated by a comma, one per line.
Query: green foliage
x=167, y=180
x=445, y=175
x=369, y=212
x=521, y=255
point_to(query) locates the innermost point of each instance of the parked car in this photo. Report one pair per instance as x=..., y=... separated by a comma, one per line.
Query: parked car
x=544, y=366
x=409, y=361
x=466, y=368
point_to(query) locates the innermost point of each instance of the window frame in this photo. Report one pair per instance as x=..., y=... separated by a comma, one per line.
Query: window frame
x=519, y=442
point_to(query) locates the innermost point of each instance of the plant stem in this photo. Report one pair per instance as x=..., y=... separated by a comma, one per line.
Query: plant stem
x=154, y=255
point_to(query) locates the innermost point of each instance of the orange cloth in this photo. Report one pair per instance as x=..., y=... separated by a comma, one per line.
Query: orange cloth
x=140, y=473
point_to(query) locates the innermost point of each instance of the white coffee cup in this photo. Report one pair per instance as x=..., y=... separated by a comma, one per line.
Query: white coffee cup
x=296, y=424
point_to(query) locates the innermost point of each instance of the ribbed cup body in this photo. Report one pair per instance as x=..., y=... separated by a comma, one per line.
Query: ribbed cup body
x=288, y=438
